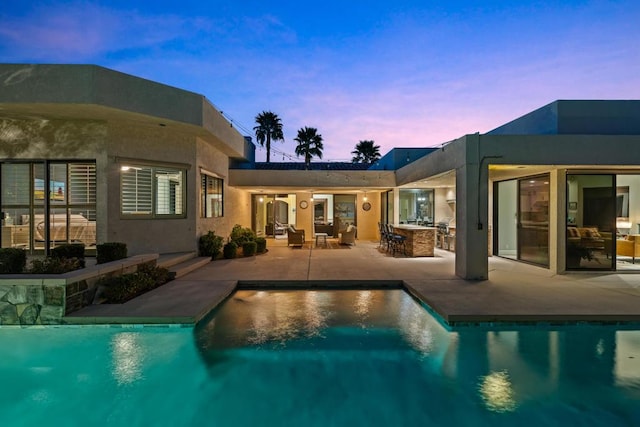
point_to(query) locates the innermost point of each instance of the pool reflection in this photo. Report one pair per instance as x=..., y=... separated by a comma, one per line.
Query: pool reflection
x=499, y=369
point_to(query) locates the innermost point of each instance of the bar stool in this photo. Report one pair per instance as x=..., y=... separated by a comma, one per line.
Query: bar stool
x=397, y=241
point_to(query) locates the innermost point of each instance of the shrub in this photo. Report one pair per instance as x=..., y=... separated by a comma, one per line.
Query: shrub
x=52, y=265
x=12, y=260
x=261, y=243
x=230, y=250
x=119, y=289
x=240, y=235
x=110, y=251
x=69, y=251
x=249, y=248
x=160, y=275
x=210, y=245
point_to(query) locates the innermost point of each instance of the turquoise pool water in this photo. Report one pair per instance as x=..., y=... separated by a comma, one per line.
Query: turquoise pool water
x=319, y=358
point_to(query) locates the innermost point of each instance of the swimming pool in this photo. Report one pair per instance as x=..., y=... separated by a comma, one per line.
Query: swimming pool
x=330, y=358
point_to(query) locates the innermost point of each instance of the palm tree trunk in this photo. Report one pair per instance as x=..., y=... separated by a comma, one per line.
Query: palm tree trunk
x=268, y=147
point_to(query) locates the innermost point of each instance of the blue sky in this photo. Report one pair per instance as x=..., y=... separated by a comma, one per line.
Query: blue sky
x=403, y=73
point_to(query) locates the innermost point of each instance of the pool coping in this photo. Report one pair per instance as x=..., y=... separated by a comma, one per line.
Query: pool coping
x=184, y=302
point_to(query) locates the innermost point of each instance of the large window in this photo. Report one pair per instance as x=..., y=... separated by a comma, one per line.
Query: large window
x=416, y=206
x=149, y=192
x=211, y=205
x=66, y=190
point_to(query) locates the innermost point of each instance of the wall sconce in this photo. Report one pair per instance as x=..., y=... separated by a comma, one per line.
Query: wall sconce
x=365, y=198
x=261, y=199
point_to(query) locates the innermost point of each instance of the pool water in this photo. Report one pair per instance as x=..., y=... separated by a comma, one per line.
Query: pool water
x=320, y=358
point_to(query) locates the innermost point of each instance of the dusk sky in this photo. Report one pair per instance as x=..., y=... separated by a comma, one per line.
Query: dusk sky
x=401, y=73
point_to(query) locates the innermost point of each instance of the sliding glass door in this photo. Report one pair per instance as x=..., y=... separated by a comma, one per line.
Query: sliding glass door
x=522, y=219
x=591, y=221
x=533, y=220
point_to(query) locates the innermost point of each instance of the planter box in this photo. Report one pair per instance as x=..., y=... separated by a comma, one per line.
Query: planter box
x=44, y=299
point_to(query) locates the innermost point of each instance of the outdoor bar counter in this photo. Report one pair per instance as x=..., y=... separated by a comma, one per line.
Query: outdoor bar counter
x=421, y=241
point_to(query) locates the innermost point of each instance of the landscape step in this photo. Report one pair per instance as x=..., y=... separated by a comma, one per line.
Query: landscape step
x=188, y=266
x=171, y=259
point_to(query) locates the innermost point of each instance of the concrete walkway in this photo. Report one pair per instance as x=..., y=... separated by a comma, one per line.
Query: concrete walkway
x=515, y=292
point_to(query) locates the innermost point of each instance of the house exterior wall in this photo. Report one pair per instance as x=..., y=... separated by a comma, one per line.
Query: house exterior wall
x=159, y=146
x=51, y=139
x=304, y=217
x=368, y=220
x=237, y=202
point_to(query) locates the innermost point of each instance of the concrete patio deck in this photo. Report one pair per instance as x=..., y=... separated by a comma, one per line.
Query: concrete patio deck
x=514, y=293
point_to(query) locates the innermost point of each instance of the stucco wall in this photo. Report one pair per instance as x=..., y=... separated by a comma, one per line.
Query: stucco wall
x=368, y=220
x=158, y=145
x=51, y=139
x=237, y=202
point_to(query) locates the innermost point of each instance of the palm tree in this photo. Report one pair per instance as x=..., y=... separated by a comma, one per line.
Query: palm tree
x=366, y=152
x=269, y=128
x=309, y=144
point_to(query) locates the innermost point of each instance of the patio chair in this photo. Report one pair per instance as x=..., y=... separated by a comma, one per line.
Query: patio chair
x=295, y=237
x=348, y=236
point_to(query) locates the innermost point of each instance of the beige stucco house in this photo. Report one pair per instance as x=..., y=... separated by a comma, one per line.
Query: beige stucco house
x=92, y=155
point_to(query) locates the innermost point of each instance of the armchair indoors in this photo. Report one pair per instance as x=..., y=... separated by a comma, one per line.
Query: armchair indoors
x=295, y=237
x=629, y=246
x=348, y=236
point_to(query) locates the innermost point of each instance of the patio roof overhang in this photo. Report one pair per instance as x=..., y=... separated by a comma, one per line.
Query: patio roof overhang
x=299, y=180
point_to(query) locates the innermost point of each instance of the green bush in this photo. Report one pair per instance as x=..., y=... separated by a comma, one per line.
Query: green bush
x=249, y=248
x=261, y=242
x=240, y=235
x=69, y=251
x=160, y=275
x=12, y=260
x=210, y=245
x=52, y=265
x=230, y=250
x=119, y=289
x=110, y=251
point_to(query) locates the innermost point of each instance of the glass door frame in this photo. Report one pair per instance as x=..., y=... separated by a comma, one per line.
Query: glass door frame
x=518, y=231
x=572, y=223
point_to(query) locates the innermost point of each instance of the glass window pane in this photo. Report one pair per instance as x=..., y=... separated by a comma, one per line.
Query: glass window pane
x=533, y=220
x=168, y=191
x=212, y=200
x=15, y=184
x=57, y=183
x=136, y=190
x=82, y=183
x=591, y=221
x=416, y=206
x=507, y=212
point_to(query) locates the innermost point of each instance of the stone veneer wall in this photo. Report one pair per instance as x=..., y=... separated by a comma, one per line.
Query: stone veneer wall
x=46, y=299
x=31, y=304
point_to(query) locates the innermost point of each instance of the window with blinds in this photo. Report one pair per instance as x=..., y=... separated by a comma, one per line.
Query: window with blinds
x=152, y=191
x=211, y=196
x=16, y=180
x=82, y=183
